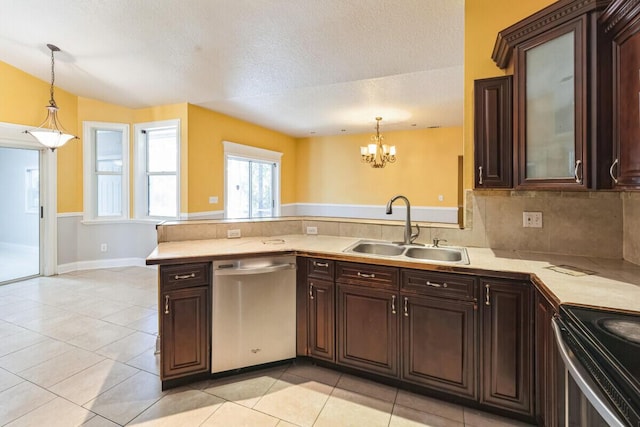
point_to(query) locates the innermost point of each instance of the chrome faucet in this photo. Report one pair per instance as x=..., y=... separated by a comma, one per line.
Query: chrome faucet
x=408, y=237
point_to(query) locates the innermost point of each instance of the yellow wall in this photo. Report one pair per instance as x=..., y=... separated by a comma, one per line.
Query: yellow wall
x=22, y=101
x=207, y=130
x=483, y=20
x=330, y=170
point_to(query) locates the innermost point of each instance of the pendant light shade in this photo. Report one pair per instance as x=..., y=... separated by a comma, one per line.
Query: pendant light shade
x=51, y=133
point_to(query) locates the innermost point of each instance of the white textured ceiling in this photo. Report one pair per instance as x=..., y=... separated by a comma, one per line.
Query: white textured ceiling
x=296, y=66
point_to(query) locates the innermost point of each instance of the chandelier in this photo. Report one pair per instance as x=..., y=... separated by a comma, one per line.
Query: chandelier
x=376, y=153
x=51, y=133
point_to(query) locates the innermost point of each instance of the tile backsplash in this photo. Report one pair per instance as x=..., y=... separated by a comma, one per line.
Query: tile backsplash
x=602, y=224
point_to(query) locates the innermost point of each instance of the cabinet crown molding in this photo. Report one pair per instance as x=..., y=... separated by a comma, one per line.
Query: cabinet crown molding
x=551, y=16
x=619, y=14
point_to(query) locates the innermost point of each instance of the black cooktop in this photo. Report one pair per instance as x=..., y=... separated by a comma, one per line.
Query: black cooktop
x=612, y=340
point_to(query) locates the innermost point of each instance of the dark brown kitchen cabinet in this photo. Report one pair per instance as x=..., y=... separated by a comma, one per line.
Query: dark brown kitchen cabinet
x=506, y=346
x=493, y=138
x=549, y=375
x=622, y=20
x=321, y=319
x=562, y=96
x=439, y=344
x=367, y=329
x=439, y=331
x=185, y=334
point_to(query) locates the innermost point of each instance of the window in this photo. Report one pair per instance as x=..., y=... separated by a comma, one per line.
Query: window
x=157, y=170
x=106, y=166
x=252, y=181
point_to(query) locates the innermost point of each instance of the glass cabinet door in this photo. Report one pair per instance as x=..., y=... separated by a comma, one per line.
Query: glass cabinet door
x=550, y=99
x=550, y=109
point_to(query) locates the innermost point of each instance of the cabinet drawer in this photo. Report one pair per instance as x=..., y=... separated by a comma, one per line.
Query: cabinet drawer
x=367, y=275
x=446, y=285
x=321, y=268
x=185, y=275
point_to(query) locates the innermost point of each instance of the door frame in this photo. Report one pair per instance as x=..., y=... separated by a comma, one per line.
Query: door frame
x=13, y=136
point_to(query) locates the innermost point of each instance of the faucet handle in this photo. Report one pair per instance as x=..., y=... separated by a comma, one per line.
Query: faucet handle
x=415, y=236
x=437, y=241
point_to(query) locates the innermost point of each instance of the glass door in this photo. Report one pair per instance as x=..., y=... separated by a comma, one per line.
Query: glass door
x=20, y=213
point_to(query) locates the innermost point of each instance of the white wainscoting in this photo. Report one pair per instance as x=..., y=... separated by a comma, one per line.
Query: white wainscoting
x=128, y=243
x=418, y=213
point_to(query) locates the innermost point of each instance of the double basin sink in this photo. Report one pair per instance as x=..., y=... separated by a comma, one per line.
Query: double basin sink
x=448, y=254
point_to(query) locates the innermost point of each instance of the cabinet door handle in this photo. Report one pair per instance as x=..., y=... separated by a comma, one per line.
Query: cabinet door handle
x=406, y=307
x=575, y=171
x=487, y=297
x=166, y=304
x=393, y=304
x=184, y=276
x=366, y=275
x=613, y=177
x=480, y=175
x=320, y=264
x=436, y=285
x=311, y=291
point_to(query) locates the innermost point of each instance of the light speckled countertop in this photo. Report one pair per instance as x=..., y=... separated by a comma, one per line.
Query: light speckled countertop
x=615, y=283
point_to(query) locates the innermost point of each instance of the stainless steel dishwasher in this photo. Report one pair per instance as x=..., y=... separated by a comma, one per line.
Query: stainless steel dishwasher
x=254, y=312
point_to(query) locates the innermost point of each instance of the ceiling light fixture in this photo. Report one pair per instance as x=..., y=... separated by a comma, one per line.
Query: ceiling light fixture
x=378, y=154
x=51, y=133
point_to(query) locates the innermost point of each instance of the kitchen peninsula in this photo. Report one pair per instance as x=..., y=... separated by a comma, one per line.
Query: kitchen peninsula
x=495, y=312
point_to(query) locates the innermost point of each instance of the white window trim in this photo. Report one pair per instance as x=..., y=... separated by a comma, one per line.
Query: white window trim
x=140, y=169
x=232, y=149
x=90, y=193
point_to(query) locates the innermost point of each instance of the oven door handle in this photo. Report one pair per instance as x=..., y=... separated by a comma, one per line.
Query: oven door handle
x=583, y=380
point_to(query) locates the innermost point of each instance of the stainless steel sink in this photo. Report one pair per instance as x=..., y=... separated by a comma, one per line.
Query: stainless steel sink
x=438, y=254
x=375, y=248
x=445, y=254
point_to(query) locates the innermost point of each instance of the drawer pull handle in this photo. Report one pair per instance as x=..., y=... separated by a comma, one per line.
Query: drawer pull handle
x=166, y=304
x=393, y=304
x=480, y=175
x=320, y=264
x=184, y=276
x=406, y=307
x=487, y=298
x=437, y=285
x=366, y=275
x=311, y=291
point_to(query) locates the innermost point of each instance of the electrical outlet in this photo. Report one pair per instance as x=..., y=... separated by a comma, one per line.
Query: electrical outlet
x=103, y=247
x=312, y=230
x=233, y=234
x=213, y=200
x=440, y=198
x=532, y=219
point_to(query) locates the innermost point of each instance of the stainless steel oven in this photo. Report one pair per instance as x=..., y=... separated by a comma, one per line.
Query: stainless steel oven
x=601, y=354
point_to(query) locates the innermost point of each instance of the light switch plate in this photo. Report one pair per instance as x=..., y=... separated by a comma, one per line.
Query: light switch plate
x=312, y=230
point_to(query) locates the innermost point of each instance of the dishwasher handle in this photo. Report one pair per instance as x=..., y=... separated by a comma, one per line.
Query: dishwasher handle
x=239, y=271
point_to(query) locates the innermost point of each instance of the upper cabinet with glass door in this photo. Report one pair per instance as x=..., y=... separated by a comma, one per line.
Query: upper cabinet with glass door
x=562, y=96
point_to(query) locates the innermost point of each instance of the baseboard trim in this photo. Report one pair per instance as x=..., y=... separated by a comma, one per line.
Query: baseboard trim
x=102, y=263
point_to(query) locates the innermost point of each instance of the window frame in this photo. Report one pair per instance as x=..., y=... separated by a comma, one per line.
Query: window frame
x=250, y=153
x=90, y=181
x=141, y=189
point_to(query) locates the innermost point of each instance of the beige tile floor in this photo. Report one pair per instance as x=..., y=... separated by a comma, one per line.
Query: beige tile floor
x=78, y=349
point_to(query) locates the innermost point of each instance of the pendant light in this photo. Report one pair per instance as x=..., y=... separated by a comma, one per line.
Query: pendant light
x=51, y=133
